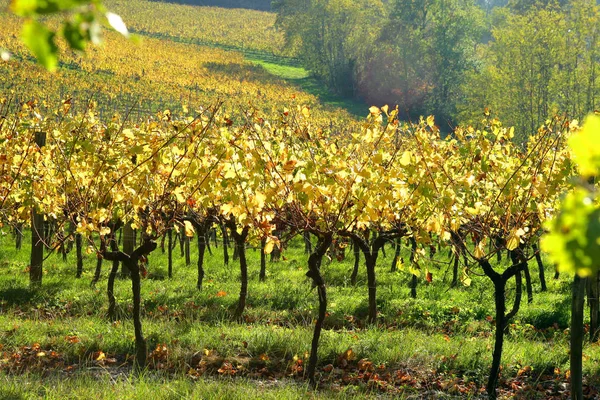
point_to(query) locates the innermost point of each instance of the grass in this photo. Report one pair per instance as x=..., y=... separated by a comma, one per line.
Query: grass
x=445, y=331
x=152, y=386
x=307, y=83
x=280, y=70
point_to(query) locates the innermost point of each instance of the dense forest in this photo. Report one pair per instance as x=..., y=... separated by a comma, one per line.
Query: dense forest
x=521, y=61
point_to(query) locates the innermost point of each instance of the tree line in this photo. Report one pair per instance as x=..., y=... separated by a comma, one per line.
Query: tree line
x=522, y=61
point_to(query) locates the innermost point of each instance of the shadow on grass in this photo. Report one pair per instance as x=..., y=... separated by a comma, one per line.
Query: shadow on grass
x=326, y=97
x=19, y=296
x=304, y=81
x=250, y=72
x=9, y=394
x=559, y=314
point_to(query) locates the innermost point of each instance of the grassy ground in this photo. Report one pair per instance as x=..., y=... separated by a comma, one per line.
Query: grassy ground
x=441, y=340
x=307, y=83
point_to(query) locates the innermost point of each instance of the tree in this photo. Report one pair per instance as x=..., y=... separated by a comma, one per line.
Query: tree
x=328, y=36
x=427, y=46
x=540, y=63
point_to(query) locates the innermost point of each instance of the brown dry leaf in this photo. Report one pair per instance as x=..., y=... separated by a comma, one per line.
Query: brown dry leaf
x=524, y=370
x=348, y=355
x=429, y=277
x=365, y=365
x=227, y=369
x=72, y=339
x=328, y=368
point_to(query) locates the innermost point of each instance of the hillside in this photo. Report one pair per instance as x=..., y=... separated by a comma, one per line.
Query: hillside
x=262, y=5
x=161, y=72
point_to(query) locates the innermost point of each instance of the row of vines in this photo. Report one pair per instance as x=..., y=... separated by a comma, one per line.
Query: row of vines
x=473, y=193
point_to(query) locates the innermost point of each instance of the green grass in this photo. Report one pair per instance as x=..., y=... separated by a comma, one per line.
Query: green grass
x=445, y=331
x=306, y=82
x=103, y=385
x=281, y=70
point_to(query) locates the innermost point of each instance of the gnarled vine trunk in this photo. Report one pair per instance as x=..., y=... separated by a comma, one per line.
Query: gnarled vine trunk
x=502, y=318
x=540, y=264
x=263, y=261
x=396, y=255
x=240, y=245
x=413, y=256
x=356, y=250
x=170, y=253
x=79, y=253
x=314, y=272
x=201, y=251
x=577, y=332
x=132, y=264
x=225, y=245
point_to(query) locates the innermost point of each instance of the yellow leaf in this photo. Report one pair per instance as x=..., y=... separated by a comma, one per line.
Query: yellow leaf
x=512, y=242
x=586, y=146
x=466, y=281
x=226, y=208
x=230, y=173
x=374, y=110
x=405, y=159
x=479, y=250
x=433, y=225
x=430, y=121
x=270, y=244
x=101, y=356
x=305, y=112
x=189, y=229
x=260, y=199
x=179, y=196
x=471, y=210
x=378, y=158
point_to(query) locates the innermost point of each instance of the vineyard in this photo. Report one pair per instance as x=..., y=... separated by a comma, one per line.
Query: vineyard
x=197, y=24
x=143, y=78
x=174, y=216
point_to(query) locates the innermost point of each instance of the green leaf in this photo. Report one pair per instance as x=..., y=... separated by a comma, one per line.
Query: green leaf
x=572, y=240
x=73, y=35
x=139, y=149
x=34, y=8
x=40, y=42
